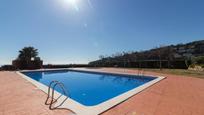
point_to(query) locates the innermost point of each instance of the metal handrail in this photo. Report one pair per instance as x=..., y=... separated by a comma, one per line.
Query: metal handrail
x=46, y=102
x=65, y=93
x=54, y=84
x=141, y=72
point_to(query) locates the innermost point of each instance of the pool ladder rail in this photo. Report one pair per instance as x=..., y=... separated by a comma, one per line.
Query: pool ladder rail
x=141, y=72
x=53, y=101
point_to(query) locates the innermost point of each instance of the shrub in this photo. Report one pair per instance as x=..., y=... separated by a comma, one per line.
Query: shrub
x=202, y=66
x=192, y=66
x=8, y=68
x=200, y=60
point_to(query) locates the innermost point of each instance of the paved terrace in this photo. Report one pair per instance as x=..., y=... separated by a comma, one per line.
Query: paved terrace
x=175, y=95
x=19, y=97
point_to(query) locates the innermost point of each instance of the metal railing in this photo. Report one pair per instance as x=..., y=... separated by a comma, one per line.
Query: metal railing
x=53, y=101
x=141, y=72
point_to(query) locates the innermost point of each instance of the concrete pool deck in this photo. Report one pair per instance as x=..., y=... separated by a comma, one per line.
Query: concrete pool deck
x=176, y=95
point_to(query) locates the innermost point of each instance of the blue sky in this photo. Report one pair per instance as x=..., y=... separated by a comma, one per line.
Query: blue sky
x=79, y=31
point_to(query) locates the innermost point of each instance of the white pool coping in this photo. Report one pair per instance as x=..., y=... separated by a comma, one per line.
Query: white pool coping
x=80, y=109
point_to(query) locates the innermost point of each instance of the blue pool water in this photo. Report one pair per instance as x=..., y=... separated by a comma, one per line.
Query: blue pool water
x=90, y=88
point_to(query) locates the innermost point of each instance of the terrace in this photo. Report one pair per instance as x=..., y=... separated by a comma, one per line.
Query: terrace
x=101, y=57
x=177, y=95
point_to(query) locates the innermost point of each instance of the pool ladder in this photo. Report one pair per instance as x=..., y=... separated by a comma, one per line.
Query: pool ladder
x=141, y=72
x=52, y=86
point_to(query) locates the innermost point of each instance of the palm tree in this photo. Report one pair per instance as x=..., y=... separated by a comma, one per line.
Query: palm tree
x=28, y=59
x=27, y=54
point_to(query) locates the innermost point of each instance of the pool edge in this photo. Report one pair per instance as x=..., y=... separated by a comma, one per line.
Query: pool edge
x=80, y=109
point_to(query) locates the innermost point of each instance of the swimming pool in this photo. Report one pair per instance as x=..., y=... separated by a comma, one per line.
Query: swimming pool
x=91, y=92
x=90, y=88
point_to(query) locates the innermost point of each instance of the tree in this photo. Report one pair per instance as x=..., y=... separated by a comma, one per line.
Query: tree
x=28, y=54
x=28, y=59
x=159, y=54
x=170, y=52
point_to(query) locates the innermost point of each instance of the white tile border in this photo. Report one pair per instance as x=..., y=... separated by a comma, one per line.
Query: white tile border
x=80, y=109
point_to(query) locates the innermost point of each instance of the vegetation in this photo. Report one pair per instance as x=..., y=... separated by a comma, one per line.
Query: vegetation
x=199, y=60
x=28, y=54
x=183, y=72
x=28, y=59
x=174, y=56
x=8, y=68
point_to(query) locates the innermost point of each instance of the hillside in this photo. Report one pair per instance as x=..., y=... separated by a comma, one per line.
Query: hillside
x=172, y=56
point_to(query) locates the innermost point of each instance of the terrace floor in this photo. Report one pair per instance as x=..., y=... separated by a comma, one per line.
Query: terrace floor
x=19, y=97
x=175, y=95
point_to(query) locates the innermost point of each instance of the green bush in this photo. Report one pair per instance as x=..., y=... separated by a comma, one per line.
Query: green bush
x=199, y=60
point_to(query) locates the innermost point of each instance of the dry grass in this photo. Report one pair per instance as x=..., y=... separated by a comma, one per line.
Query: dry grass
x=182, y=72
